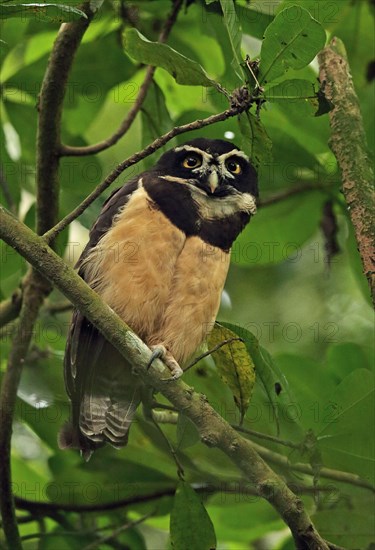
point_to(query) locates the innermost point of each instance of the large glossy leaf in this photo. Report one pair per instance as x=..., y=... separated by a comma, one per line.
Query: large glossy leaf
x=291, y=40
x=191, y=526
x=43, y=12
x=184, y=70
x=234, y=364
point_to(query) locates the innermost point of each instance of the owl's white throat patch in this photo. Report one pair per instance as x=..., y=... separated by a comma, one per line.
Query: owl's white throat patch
x=211, y=207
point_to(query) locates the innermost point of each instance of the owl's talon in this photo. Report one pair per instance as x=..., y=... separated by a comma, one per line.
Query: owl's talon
x=160, y=352
x=157, y=353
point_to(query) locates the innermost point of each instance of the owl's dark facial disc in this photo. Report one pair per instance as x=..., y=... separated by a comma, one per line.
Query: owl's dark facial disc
x=215, y=167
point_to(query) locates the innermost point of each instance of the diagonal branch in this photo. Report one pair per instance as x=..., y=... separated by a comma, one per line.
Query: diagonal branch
x=67, y=150
x=213, y=429
x=349, y=144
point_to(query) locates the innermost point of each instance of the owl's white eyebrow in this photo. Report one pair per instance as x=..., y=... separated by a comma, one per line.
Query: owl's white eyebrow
x=189, y=148
x=233, y=153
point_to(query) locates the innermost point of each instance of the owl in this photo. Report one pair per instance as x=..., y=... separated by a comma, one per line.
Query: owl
x=158, y=255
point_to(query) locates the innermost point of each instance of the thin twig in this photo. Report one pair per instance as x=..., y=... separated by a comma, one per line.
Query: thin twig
x=67, y=150
x=137, y=157
x=116, y=532
x=266, y=437
x=327, y=473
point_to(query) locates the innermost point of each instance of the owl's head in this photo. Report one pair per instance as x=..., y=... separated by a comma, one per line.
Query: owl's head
x=214, y=166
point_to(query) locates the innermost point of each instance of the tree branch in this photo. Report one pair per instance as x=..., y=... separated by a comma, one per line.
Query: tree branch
x=205, y=489
x=213, y=429
x=137, y=157
x=67, y=150
x=349, y=144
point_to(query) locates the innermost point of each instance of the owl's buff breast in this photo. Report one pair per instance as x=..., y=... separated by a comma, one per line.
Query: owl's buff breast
x=165, y=285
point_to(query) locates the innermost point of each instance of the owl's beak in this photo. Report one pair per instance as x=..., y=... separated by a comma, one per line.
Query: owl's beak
x=213, y=181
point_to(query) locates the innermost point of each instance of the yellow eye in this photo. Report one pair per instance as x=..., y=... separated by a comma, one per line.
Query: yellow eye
x=192, y=161
x=233, y=166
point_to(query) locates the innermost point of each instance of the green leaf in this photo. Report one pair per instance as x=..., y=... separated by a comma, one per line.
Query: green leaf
x=190, y=525
x=233, y=27
x=184, y=70
x=291, y=41
x=234, y=364
x=255, y=141
x=43, y=12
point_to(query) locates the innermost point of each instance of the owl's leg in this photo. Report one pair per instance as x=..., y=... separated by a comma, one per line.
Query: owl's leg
x=159, y=351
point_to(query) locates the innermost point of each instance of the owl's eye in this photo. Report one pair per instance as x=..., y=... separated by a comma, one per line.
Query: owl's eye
x=192, y=161
x=233, y=166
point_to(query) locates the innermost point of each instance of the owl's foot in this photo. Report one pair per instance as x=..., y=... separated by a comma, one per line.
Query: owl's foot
x=160, y=352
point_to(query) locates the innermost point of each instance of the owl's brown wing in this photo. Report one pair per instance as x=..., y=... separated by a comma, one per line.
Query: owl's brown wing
x=103, y=391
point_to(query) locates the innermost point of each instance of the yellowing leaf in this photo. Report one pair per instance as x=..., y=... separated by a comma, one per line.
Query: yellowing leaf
x=234, y=364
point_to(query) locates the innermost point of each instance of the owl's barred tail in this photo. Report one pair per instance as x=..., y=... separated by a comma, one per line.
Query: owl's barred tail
x=101, y=420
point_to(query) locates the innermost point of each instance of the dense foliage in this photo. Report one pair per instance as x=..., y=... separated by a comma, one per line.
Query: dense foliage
x=295, y=293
